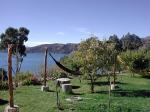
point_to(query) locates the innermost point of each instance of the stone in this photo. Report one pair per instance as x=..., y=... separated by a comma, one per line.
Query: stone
x=67, y=88
x=72, y=99
x=114, y=87
x=44, y=88
x=61, y=81
x=12, y=109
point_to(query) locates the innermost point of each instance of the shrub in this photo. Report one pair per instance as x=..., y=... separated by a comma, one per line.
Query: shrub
x=23, y=75
x=26, y=82
x=3, y=85
x=27, y=78
x=3, y=74
x=35, y=81
x=136, y=61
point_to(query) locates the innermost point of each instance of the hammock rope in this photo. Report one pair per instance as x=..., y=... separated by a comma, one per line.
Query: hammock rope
x=63, y=67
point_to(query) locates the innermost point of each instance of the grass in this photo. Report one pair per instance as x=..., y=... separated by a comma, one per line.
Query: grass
x=133, y=96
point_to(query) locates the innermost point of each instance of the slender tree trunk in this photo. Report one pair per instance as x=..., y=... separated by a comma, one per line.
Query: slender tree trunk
x=17, y=60
x=114, y=74
x=80, y=79
x=17, y=64
x=17, y=67
x=45, y=66
x=92, y=83
x=114, y=71
x=10, y=83
x=109, y=100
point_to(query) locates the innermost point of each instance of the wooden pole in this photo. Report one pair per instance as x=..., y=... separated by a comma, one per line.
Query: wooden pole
x=2, y=75
x=45, y=66
x=114, y=70
x=114, y=73
x=10, y=83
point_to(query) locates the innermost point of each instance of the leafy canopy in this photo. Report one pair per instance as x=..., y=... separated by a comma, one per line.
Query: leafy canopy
x=17, y=37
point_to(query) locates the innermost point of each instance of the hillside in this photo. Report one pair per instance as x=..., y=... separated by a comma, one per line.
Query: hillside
x=54, y=48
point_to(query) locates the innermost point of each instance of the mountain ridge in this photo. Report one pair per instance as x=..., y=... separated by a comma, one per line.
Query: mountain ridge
x=69, y=47
x=54, y=48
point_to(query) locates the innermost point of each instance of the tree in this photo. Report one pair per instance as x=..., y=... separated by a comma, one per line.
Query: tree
x=131, y=42
x=17, y=37
x=115, y=50
x=89, y=57
x=114, y=39
x=136, y=61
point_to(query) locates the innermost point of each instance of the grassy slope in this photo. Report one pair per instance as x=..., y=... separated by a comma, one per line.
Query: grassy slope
x=134, y=96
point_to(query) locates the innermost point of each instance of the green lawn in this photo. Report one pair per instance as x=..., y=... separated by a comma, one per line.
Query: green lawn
x=133, y=96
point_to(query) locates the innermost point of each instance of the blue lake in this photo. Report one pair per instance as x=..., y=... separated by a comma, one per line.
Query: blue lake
x=32, y=62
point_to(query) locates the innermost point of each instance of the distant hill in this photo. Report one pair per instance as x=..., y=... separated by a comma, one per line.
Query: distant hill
x=68, y=48
x=146, y=41
x=54, y=48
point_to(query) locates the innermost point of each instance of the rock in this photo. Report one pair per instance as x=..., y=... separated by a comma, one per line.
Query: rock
x=12, y=109
x=67, y=88
x=114, y=86
x=61, y=81
x=74, y=99
x=44, y=88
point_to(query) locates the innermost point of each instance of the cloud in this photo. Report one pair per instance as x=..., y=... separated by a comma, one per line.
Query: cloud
x=31, y=43
x=83, y=30
x=60, y=33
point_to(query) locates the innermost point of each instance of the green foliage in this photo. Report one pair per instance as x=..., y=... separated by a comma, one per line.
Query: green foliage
x=69, y=62
x=27, y=78
x=3, y=74
x=136, y=60
x=3, y=85
x=131, y=42
x=133, y=97
x=54, y=72
x=23, y=75
x=26, y=82
x=89, y=54
x=16, y=37
x=118, y=44
x=141, y=63
x=89, y=57
x=3, y=79
x=31, y=81
x=93, y=57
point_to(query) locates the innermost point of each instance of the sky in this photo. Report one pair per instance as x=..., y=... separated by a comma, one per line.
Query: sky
x=71, y=21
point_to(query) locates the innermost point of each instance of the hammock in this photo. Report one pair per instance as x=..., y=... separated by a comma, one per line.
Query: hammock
x=64, y=68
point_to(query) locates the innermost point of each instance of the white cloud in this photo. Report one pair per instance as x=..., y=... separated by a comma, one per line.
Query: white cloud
x=83, y=30
x=86, y=32
x=31, y=44
x=60, y=33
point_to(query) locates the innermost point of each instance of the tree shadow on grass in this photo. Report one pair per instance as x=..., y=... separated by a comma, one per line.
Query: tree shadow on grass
x=74, y=93
x=75, y=87
x=128, y=93
x=103, y=83
x=50, y=91
x=3, y=102
x=132, y=93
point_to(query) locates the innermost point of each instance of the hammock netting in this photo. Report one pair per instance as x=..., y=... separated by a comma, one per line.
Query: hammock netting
x=63, y=67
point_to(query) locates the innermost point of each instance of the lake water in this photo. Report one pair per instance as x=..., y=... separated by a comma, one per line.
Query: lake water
x=32, y=62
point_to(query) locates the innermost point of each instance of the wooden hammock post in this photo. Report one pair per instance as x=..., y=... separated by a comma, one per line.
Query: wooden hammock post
x=11, y=101
x=45, y=66
x=45, y=87
x=11, y=107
